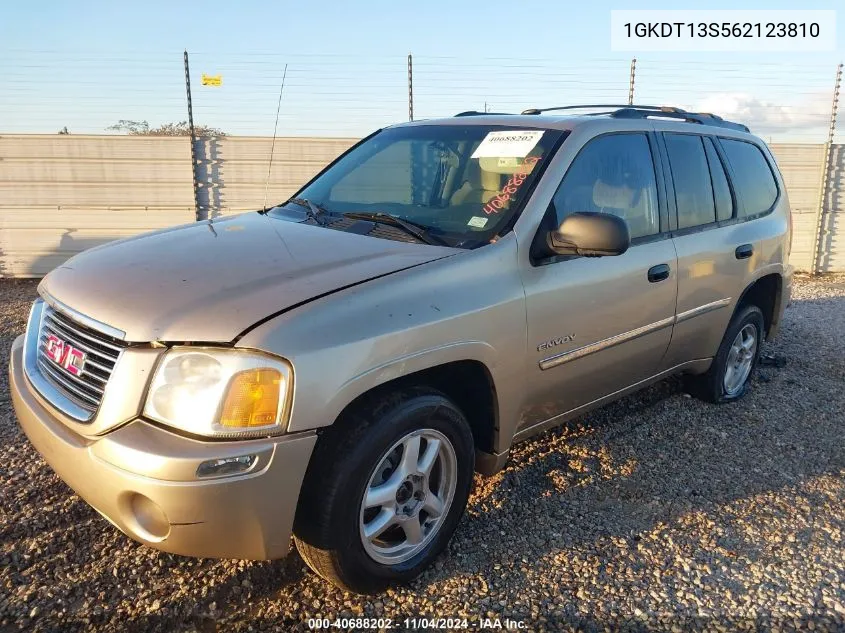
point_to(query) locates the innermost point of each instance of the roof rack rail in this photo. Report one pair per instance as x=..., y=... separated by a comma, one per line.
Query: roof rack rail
x=644, y=111
x=477, y=113
x=704, y=118
x=600, y=105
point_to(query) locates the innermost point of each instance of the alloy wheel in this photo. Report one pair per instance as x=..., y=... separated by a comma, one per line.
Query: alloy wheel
x=740, y=360
x=408, y=496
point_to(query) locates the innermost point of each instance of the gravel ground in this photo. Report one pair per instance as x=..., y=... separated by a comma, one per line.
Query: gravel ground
x=658, y=512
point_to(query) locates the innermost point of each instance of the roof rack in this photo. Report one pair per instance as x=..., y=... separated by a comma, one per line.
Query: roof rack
x=477, y=113
x=601, y=105
x=629, y=111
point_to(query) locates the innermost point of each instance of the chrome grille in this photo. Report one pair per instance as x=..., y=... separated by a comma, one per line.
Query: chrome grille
x=101, y=354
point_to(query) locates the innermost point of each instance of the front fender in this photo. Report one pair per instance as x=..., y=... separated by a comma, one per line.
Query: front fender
x=415, y=362
x=465, y=308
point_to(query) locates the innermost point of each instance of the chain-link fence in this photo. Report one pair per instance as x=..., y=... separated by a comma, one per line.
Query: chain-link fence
x=44, y=91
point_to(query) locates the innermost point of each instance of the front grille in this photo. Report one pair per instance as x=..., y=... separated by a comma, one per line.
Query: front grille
x=101, y=354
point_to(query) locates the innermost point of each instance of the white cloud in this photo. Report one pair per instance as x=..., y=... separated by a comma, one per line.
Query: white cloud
x=765, y=116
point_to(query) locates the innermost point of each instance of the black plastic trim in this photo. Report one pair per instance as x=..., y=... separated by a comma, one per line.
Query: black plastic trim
x=660, y=175
x=668, y=183
x=658, y=273
x=734, y=200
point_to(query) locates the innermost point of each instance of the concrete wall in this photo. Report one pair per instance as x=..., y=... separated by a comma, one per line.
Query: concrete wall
x=62, y=194
x=801, y=169
x=832, y=236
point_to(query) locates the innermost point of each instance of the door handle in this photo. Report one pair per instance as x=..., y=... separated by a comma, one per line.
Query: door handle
x=744, y=251
x=658, y=273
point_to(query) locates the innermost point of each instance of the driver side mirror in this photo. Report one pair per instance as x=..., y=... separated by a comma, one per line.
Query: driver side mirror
x=590, y=235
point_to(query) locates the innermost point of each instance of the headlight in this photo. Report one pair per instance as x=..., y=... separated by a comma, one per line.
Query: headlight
x=221, y=392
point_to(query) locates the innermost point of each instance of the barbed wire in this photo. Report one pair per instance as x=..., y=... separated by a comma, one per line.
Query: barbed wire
x=44, y=90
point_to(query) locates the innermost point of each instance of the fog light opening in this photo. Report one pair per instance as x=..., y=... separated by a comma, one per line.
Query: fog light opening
x=226, y=466
x=146, y=519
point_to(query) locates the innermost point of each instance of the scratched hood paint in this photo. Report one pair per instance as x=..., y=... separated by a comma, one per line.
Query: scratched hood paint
x=212, y=280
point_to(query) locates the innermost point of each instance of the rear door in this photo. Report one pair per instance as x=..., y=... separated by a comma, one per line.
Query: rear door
x=717, y=253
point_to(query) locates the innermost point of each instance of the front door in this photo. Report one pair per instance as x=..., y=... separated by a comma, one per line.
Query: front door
x=598, y=325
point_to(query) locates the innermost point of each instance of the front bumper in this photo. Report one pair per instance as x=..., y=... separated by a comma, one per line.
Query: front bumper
x=143, y=480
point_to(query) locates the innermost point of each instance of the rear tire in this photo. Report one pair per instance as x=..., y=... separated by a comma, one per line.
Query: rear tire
x=729, y=374
x=385, y=490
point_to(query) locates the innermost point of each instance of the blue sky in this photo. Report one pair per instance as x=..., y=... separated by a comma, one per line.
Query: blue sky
x=88, y=64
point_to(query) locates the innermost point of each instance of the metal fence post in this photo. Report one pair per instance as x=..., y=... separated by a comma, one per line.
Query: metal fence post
x=193, y=139
x=410, y=88
x=825, y=177
x=631, y=82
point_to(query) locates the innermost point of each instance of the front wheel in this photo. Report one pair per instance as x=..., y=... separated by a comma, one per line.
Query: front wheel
x=385, y=489
x=729, y=374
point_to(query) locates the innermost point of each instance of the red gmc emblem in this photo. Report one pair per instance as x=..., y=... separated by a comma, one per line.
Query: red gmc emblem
x=64, y=354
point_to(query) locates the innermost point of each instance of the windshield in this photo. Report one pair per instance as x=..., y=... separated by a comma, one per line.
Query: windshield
x=462, y=184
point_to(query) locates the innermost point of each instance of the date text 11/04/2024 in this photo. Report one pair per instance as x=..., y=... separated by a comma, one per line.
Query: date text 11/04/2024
x=424, y=624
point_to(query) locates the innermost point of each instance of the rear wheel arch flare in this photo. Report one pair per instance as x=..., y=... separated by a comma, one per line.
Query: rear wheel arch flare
x=765, y=293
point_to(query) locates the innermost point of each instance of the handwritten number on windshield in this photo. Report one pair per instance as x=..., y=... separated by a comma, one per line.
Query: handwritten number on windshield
x=511, y=186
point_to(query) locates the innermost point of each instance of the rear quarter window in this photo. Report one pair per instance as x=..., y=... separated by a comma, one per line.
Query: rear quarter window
x=752, y=177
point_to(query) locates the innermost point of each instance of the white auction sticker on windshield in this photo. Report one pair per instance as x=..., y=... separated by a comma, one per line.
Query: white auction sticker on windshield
x=507, y=144
x=477, y=222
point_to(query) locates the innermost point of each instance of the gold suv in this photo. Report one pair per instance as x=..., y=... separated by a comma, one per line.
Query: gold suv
x=336, y=366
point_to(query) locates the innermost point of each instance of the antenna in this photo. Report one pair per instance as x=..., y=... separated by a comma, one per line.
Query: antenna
x=273, y=145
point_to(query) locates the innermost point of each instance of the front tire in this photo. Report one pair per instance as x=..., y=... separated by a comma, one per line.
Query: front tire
x=385, y=489
x=732, y=368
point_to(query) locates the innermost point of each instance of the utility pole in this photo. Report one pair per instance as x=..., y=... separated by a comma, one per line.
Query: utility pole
x=631, y=82
x=410, y=88
x=192, y=138
x=825, y=176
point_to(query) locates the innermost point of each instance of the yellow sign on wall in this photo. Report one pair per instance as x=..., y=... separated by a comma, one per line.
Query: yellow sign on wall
x=212, y=80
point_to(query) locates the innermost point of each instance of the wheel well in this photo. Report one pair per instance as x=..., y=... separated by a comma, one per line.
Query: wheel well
x=765, y=294
x=468, y=384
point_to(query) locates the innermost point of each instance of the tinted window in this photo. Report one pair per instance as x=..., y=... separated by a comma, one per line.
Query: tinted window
x=691, y=175
x=613, y=174
x=721, y=189
x=753, y=180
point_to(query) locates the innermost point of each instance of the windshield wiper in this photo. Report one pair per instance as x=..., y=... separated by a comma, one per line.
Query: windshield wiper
x=418, y=231
x=313, y=211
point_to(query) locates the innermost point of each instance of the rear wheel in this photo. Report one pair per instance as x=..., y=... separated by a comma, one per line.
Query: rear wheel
x=729, y=374
x=385, y=490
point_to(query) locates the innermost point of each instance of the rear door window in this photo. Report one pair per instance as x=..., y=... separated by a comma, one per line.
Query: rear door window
x=752, y=177
x=721, y=188
x=691, y=176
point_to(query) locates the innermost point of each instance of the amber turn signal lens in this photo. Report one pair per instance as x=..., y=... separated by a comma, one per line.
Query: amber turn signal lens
x=253, y=399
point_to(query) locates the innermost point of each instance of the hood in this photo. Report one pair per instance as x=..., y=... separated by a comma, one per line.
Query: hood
x=212, y=280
